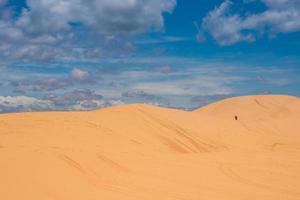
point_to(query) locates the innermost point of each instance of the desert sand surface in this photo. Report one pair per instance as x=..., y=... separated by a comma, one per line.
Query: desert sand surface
x=143, y=152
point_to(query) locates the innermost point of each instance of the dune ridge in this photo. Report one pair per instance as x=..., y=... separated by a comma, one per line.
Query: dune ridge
x=146, y=152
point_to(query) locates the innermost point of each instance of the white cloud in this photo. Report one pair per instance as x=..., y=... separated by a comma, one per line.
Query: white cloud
x=75, y=100
x=79, y=75
x=94, y=104
x=281, y=16
x=58, y=23
x=22, y=103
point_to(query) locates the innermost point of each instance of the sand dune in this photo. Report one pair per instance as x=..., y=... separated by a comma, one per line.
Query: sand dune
x=147, y=152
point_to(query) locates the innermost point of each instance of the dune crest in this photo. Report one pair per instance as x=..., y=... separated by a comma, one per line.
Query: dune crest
x=146, y=152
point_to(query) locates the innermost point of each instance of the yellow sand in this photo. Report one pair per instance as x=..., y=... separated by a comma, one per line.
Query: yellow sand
x=144, y=152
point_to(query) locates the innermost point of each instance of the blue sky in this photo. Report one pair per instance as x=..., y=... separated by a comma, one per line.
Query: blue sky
x=83, y=55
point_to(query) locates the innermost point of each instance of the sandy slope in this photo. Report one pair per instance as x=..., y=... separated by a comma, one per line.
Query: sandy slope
x=146, y=152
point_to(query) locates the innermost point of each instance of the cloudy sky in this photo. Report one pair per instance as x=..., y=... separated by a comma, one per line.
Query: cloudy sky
x=83, y=55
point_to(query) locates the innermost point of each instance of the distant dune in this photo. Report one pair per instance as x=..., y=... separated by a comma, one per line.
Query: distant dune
x=242, y=148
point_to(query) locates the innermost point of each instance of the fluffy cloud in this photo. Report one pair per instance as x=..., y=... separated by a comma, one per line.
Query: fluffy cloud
x=103, y=16
x=79, y=75
x=50, y=29
x=23, y=104
x=83, y=99
x=281, y=16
